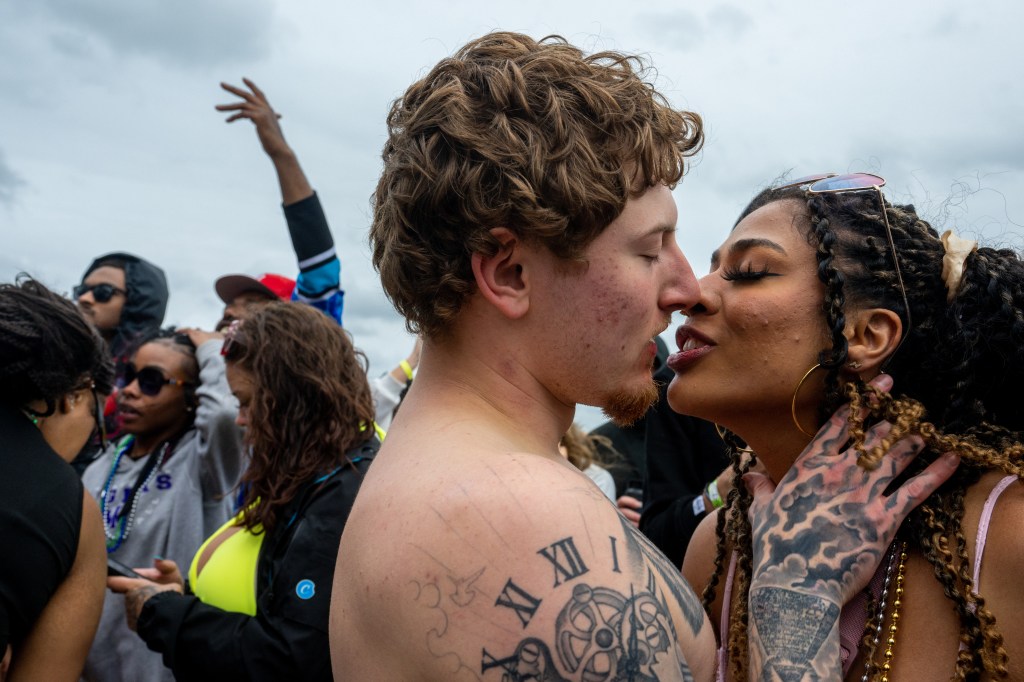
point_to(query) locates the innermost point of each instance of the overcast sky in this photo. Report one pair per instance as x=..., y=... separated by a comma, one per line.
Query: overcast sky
x=109, y=140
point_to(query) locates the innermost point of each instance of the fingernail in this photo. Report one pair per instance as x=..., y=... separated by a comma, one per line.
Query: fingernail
x=159, y=558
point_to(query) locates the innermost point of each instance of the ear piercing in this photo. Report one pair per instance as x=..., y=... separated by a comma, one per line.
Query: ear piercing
x=853, y=364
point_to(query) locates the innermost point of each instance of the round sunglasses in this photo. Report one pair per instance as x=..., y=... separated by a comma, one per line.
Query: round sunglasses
x=102, y=292
x=151, y=380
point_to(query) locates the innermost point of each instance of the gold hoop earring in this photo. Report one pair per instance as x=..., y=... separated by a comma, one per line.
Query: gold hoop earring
x=721, y=434
x=792, y=405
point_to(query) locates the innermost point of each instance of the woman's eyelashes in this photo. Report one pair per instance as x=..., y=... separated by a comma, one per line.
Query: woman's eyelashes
x=747, y=273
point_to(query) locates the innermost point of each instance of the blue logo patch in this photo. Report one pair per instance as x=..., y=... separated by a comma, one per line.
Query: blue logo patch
x=305, y=589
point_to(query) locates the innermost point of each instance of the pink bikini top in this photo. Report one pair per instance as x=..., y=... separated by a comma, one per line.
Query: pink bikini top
x=851, y=622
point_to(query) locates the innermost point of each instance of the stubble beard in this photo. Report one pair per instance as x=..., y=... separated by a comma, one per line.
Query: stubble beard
x=626, y=408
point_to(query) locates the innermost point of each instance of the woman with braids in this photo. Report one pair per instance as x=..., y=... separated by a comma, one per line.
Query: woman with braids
x=166, y=484
x=822, y=286
x=54, y=372
x=260, y=586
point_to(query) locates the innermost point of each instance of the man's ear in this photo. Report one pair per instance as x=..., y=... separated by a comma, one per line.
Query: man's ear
x=873, y=335
x=500, y=278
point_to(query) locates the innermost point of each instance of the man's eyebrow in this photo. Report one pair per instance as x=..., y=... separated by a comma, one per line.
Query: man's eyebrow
x=659, y=229
x=746, y=245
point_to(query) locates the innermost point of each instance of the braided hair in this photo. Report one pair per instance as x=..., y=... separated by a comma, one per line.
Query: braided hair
x=960, y=364
x=47, y=349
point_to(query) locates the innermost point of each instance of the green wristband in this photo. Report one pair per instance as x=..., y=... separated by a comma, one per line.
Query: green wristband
x=714, y=496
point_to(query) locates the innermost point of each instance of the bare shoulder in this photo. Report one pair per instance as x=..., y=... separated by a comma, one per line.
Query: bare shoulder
x=1001, y=564
x=699, y=562
x=514, y=568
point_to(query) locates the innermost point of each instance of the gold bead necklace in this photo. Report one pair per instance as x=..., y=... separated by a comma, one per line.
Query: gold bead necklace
x=898, y=589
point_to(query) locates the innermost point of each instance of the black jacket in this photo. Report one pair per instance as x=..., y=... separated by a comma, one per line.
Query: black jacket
x=287, y=638
x=683, y=455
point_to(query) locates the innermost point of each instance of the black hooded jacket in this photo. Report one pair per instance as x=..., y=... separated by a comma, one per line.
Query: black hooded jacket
x=144, y=307
x=142, y=314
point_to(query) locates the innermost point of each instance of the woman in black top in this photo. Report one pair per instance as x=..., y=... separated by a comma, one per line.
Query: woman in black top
x=262, y=583
x=53, y=376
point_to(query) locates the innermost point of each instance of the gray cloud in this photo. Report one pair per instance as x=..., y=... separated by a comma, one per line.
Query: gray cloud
x=187, y=33
x=730, y=19
x=10, y=182
x=685, y=30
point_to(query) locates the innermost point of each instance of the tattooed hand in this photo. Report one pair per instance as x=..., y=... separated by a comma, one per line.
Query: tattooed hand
x=136, y=593
x=818, y=539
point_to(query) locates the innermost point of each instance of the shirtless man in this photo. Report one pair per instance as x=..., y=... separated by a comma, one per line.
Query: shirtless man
x=524, y=225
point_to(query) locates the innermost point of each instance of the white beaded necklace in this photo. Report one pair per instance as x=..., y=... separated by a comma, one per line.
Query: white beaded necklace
x=125, y=520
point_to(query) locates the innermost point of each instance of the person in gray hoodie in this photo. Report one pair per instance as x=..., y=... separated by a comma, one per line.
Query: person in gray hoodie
x=166, y=485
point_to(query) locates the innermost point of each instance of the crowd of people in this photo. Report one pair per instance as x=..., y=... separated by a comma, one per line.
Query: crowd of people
x=821, y=481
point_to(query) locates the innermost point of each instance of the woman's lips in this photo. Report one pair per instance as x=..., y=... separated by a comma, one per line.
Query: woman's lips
x=127, y=413
x=692, y=347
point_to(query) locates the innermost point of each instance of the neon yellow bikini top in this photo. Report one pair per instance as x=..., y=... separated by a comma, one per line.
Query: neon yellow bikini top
x=228, y=576
x=229, y=560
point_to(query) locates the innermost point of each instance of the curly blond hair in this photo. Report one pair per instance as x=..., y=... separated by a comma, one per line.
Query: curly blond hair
x=533, y=136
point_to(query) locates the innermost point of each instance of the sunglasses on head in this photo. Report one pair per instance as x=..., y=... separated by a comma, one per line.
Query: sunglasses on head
x=832, y=183
x=102, y=292
x=151, y=380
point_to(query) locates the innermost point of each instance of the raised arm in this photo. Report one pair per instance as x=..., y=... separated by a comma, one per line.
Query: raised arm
x=255, y=107
x=216, y=411
x=818, y=539
x=319, y=281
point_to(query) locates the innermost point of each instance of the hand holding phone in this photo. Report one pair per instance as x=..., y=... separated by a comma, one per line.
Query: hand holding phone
x=635, y=489
x=116, y=568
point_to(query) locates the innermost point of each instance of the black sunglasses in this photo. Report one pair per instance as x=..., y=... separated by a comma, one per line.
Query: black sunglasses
x=102, y=292
x=150, y=379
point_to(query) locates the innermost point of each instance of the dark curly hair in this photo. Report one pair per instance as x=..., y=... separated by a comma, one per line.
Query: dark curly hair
x=534, y=136
x=311, y=403
x=47, y=349
x=960, y=366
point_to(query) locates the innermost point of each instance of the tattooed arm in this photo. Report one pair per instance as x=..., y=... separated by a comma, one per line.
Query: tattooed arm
x=818, y=539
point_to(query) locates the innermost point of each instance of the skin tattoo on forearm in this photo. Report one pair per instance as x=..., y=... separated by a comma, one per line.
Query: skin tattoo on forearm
x=792, y=629
x=815, y=543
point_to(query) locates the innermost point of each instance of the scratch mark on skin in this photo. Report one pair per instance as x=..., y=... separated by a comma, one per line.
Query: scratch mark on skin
x=490, y=560
x=483, y=517
x=524, y=512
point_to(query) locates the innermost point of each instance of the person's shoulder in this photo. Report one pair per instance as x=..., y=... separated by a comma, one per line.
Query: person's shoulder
x=1001, y=561
x=515, y=562
x=1004, y=544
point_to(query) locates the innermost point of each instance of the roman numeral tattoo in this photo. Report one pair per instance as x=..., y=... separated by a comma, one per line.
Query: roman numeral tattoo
x=519, y=600
x=615, y=554
x=565, y=559
x=489, y=661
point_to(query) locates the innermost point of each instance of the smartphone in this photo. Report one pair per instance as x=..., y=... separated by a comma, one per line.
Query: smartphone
x=635, y=489
x=115, y=567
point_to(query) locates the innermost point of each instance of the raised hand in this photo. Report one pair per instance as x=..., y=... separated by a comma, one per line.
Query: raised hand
x=819, y=538
x=255, y=107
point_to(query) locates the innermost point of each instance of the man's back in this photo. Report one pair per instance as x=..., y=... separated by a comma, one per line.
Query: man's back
x=463, y=560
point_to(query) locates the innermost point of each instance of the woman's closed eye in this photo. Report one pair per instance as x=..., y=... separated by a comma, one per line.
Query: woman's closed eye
x=747, y=273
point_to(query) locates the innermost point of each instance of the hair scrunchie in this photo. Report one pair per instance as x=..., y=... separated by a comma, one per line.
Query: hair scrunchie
x=957, y=250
